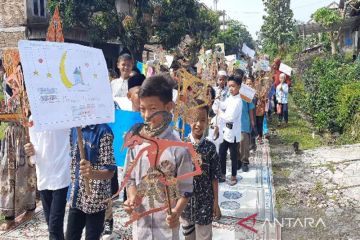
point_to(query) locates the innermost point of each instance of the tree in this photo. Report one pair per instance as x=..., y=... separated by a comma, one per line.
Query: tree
x=98, y=17
x=234, y=36
x=277, y=32
x=331, y=20
x=164, y=22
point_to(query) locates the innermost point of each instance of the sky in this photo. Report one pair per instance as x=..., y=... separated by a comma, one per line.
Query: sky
x=250, y=12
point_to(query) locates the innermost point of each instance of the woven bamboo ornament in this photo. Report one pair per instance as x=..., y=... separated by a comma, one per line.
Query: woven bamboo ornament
x=55, y=32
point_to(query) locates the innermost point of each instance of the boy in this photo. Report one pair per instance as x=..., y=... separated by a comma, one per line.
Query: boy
x=50, y=150
x=247, y=123
x=203, y=206
x=133, y=91
x=89, y=210
x=133, y=102
x=119, y=86
x=231, y=115
x=156, y=97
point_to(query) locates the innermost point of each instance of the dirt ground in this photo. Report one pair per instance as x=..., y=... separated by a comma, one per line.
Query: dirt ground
x=317, y=191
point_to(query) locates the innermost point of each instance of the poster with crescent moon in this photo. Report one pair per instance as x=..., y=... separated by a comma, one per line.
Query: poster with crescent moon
x=67, y=84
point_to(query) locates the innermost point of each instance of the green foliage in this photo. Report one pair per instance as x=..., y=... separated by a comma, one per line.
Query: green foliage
x=329, y=92
x=234, y=36
x=330, y=19
x=164, y=22
x=98, y=17
x=277, y=32
x=348, y=102
x=327, y=17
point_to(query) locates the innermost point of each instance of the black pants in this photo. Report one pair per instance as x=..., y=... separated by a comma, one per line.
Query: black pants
x=77, y=220
x=234, y=148
x=54, y=203
x=259, y=125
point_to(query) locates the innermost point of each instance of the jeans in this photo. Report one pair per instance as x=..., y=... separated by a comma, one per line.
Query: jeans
x=54, y=203
x=77, y=220
x=284, y=113
x=234, y=149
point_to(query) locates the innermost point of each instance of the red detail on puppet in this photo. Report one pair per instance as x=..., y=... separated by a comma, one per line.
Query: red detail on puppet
x=154, y=151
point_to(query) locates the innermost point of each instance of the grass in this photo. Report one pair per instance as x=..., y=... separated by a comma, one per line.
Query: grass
x=297, y=130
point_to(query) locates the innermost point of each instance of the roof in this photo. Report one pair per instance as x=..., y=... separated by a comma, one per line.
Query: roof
x=310, y=28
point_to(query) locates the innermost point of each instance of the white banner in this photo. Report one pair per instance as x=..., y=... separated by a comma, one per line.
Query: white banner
x=67, y=84
x=248, y=51
x=285, y=69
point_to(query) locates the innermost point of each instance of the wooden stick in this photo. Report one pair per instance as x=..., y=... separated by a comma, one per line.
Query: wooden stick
x=167, y=193
x=82, y=156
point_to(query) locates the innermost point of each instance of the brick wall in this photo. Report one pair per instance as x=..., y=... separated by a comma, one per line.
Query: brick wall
x=12, y=13
x=10, y=39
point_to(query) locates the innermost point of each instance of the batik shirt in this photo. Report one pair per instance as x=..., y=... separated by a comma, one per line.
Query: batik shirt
x=199, y=209
x=98, y=140
x=177, y=161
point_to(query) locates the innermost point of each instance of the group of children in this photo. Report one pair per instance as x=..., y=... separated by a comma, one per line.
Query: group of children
x=60, y=169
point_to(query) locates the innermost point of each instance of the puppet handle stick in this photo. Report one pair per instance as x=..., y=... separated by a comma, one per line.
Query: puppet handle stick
x=82, y=156
x=167, y=192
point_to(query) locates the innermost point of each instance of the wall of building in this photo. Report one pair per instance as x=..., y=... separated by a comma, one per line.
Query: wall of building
x=12, y=21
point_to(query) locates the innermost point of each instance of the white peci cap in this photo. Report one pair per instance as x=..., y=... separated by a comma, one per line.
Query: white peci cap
x=222, y=73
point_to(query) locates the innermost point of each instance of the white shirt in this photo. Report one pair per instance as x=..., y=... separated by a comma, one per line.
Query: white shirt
x=52, y=158
x=119, y=87
x=231, y=113
x=124, y=103
x=282, y=91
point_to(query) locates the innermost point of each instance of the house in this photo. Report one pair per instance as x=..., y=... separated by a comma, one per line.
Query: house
x=349, y=38
x=29, y=19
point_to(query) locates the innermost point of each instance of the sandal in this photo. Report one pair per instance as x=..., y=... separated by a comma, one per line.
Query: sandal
x=233, y=182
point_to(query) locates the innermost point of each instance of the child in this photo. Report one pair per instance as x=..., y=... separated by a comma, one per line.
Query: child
x=156, y=97
x=247, y=124
x=203, y=205
x=120, y=86
x=231, y=116
x=133, y=91
x=89, y=210
x=282, y=92
x=262, y=87
x=50, y=150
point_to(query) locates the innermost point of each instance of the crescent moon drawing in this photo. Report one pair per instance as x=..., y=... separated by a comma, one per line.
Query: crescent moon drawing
x=64, y=79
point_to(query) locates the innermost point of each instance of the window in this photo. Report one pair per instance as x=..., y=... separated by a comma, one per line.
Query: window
x=39, y=8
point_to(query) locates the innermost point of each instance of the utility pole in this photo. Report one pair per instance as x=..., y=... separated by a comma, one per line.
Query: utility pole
x=215, y=4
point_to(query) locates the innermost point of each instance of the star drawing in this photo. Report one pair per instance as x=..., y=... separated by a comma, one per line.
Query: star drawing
x=49, y=75
x=36, y=73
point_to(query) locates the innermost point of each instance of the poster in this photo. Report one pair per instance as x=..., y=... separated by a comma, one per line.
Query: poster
x=247, y=93
x=248, y=51
x=124, y=120
x=264, y=65
x=285, y=69
x=230, y=58
x=67, y=84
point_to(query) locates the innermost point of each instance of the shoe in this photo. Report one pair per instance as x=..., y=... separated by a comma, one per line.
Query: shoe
x=245, y=168
x=108, y=227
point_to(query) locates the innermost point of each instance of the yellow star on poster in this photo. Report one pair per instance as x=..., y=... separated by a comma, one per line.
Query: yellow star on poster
x=36, y=73
x=49, y=75
x=95, y=75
